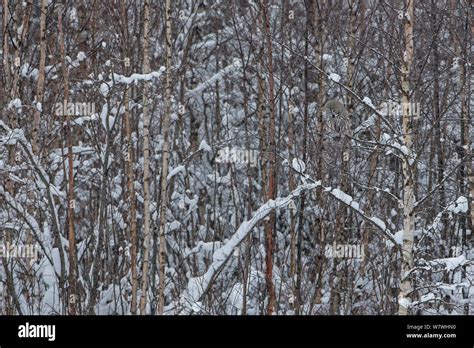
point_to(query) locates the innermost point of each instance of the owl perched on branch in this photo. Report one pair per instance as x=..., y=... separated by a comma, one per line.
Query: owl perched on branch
x=337, y=119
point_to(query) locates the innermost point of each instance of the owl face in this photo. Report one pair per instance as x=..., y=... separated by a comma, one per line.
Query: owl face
x=337, y=118
x=337, y=123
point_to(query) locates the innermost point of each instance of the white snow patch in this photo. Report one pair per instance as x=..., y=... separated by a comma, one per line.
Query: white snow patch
x=334, y=77
x=327, y=57
x=298, y=165
x=104, y=89
x=15, y=103
x=460, y=206
x=368, y=101
x=81, y=56
x=204, y=146
x=450, y=263
x=174, y=172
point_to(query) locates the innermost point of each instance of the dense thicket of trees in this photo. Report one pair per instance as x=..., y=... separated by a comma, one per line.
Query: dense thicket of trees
x=236, y=157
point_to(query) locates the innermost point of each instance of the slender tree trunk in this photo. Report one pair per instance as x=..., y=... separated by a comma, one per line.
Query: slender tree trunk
x=299, y=237
x=316, y=10
x=292, y=186
x=261, y=127
x=165, y=161
x=40, y=85
x=441, y=201
x=6, y=47
x=70, y=192
x=18, y=46
x=129, y=168
x=466, y=119
x=373, y=160
x=339, y=289
x=269, y=227
x=467, y=167
x=406, y=286
x=146, y=159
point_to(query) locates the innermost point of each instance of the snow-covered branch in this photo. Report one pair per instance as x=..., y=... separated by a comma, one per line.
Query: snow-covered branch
x=198, y=286
x=349, y=201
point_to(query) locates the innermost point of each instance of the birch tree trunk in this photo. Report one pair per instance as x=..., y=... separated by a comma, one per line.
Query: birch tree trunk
x=407, y=166
x=146, y=159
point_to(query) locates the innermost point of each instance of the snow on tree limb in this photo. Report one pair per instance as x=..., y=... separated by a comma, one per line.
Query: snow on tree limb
x=138, y=77
x=198, y=286
x=216, y=77
x=351, y=203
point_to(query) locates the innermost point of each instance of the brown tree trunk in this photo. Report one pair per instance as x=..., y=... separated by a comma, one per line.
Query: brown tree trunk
x=6, y=47
x=271, y=193
x=40, y=85
x=316, y=9
x=129, y=168
x=72, y=298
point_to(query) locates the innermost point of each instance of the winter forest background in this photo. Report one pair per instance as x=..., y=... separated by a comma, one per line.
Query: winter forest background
x=236, y=157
